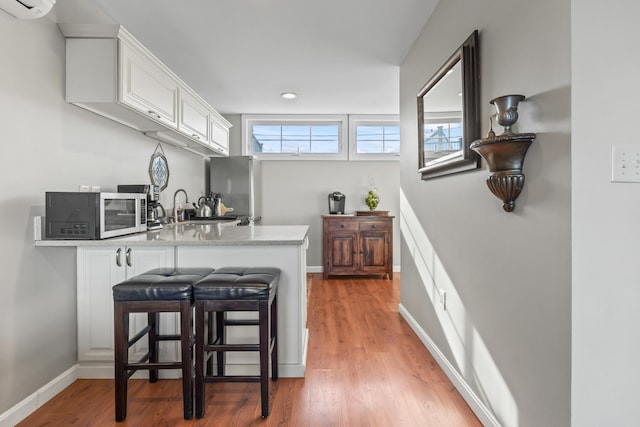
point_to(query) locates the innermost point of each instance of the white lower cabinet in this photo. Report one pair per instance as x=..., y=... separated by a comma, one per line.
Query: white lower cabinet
x=99, y=269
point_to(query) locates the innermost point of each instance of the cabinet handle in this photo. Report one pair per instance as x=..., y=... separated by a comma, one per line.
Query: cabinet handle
x=129, y=257
x=341, y=225
x=196, y=137
x=153, y=113
x=118, y=252
x=373, y=226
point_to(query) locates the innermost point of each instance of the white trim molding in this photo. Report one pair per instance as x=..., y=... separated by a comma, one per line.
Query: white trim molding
x=41, y=396
x=483, y=413
x=470, y=365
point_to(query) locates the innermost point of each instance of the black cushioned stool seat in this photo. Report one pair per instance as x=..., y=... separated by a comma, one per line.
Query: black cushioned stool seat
x=236, y=289
x=153, y=292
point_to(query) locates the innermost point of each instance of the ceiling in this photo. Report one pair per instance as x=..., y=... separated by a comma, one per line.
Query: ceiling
x=339, y=56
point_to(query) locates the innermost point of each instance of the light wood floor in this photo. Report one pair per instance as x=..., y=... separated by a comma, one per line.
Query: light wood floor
x=365, y=367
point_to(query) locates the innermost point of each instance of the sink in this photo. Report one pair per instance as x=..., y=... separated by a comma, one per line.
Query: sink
x=214, y=218
x=209, y=221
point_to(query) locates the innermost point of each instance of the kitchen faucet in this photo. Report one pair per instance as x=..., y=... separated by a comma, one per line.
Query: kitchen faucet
x=175, y=205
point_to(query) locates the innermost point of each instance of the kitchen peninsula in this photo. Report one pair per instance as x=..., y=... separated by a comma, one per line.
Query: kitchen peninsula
x=103, y=263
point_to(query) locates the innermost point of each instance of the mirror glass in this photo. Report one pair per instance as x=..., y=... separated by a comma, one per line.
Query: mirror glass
x=448, y=115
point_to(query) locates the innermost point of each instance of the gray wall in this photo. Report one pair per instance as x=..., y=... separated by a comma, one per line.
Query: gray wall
x=507, y=328
x=295, y=192
x=51, y=145
x=606, y=291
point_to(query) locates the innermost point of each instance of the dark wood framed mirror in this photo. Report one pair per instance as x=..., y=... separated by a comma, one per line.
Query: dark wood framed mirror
x=449, y=114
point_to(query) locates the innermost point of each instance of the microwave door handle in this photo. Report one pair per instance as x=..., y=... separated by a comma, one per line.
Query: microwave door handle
x=118, y=252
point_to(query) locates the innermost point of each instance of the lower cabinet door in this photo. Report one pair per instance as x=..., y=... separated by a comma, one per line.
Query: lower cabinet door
x=374, y=252
x=341, y=255
x=99, y=269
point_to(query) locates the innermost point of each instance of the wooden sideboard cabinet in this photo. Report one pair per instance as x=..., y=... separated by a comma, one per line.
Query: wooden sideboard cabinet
x=357, y=245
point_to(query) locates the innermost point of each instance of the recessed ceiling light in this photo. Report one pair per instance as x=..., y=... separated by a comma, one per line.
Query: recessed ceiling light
x=288, y=95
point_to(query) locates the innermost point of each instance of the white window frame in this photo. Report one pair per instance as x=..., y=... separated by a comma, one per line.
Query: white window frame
x=371, y=120
x=248, y=120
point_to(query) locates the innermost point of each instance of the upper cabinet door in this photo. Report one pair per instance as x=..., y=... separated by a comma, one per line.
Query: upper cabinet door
x=219, y=137
x=193, y=117
x=146, y=87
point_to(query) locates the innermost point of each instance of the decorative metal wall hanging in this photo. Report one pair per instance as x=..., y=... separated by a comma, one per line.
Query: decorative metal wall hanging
x=505, y=153
x=159, y=168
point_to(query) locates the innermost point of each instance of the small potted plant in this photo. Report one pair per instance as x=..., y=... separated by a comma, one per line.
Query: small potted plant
x=372, y=199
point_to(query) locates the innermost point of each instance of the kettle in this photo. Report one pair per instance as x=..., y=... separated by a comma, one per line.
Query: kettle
x=203, y=210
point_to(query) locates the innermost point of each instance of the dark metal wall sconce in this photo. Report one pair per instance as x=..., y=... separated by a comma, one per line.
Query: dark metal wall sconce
x=505, y=153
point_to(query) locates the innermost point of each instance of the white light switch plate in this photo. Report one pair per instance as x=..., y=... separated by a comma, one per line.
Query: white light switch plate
x=625, y=163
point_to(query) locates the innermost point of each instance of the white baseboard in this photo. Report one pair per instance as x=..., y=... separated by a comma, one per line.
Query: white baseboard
x=28, y=405
x=483, y=413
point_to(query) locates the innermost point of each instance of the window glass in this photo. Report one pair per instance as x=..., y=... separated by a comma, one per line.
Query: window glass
x=321, y=136
x=372, y=139
x=295, y=136
x=321, y=139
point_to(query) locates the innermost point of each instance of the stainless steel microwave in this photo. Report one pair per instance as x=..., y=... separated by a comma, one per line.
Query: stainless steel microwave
x=93, y=216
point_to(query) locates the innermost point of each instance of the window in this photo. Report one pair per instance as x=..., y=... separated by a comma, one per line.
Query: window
x=374, y=137
x=291, y=137
x=321, y=137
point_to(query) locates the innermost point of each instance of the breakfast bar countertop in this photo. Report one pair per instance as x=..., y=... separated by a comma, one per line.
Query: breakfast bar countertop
x=101, y=264
x=199, y=233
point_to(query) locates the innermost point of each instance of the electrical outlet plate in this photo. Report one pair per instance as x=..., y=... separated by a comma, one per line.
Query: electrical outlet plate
x=625, y=163
x=443, y=298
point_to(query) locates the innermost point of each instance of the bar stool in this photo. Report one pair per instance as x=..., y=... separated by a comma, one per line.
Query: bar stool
x=236, y=289
x=153, y=292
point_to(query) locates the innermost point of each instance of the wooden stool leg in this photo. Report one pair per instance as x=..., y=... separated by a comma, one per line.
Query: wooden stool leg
x=274, y=338
x=187, y=351
x=210, y=338
x=121, y=350
x=264, y=355
x=154, y=321
x=200, y=358
x=220, y=334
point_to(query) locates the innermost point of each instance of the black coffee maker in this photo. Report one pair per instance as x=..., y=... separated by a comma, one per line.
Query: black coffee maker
x=155, y=210
x=336, y=203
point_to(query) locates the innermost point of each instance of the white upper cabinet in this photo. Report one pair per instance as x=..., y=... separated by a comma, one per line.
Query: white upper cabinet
x=118, y=78
x=145, y=87
x=194, y=117
x=219, y=137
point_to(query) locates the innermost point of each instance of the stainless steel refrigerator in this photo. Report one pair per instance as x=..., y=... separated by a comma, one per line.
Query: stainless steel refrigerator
x=236, y=179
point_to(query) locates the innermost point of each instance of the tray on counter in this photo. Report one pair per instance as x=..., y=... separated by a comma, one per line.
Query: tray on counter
x=372, y=213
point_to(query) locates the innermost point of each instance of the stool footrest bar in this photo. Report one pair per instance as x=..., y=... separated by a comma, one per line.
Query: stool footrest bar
x=232, y=347
x=139, y=335
x=168, y=338
x=232, y=379
x=239, y=322
x=157, y=365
